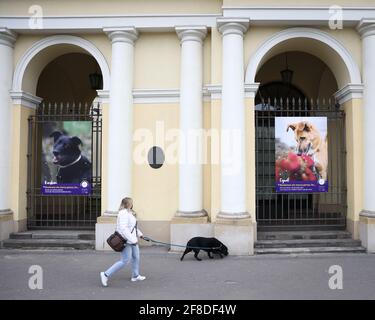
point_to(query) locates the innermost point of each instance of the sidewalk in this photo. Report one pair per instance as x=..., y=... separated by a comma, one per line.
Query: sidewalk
x=75, y=275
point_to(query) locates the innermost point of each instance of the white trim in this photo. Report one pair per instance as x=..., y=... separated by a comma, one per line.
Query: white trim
x=259, y=15
x=366, y=27
x=350, y=91
x=161, y=96
x=25, y=99
x=54, y=40
x=95, y=23
x=353, y=70
x=293, y=16
x=232, y=25
x=251, y=89
x=191, y=33
x=7, y=37
x=122, y=34
x=212, y=91
x=103, y=96
x=154, y=96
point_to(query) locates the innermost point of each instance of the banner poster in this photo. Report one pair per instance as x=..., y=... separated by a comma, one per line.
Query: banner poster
x=301, y=153
x=66, y=152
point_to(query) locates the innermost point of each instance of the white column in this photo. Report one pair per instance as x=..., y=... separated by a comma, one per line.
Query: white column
x=7, y=40
x=367, y=31
x=233, y=160
x=120, y=123
x=191, y=121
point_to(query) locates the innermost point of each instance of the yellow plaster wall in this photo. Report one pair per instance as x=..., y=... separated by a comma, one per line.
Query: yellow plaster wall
x=250, y=158
x=19, y=160
x=215, y=153
x=354, y=157
x=157, y=61
x=104, y=162
x=207, y=167
x=155, y=191
x=216, y=56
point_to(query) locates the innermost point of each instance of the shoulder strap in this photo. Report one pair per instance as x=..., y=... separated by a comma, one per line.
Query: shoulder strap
x=135, y=227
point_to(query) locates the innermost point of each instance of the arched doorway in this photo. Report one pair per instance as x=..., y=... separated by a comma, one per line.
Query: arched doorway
x=66, y=72
x=307, y=93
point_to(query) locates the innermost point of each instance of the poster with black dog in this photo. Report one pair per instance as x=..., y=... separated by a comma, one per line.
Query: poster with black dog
x=66, y=154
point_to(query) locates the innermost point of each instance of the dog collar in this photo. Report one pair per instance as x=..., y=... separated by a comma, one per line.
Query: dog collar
x=74, y=162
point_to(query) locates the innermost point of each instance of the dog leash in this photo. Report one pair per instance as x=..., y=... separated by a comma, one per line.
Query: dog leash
x=178, y=245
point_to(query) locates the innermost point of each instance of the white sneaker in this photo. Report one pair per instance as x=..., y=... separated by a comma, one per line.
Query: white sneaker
x=139, y=278
x=104, y=279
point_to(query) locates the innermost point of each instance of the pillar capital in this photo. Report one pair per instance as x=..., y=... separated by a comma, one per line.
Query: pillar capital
x=350, y=91
x=7, y=37
x=191, y=33
x=366, y=27
x=232, y=26
x=122, y=34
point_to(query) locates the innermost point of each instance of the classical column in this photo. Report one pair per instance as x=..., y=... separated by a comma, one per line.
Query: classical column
x=191, y=122
x=233, y=165
x=367, y=31
x=120, y=127
x=7, y=40
x=367, y=217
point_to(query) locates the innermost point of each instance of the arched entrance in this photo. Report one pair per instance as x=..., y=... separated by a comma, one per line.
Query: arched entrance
x=307, y=91
x=66, y=72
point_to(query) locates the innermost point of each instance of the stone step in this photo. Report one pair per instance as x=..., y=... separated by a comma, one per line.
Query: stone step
x=78, y=235
x=310, y=250
x=294, y=235
x=307, y=243
x=48, y=244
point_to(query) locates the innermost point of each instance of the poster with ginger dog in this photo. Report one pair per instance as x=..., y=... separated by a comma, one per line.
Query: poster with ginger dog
x=301, y=153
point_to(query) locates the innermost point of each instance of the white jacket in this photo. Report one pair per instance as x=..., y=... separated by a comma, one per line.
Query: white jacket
x=125, y=225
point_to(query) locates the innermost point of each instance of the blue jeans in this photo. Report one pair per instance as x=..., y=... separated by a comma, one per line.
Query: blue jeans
x=130, y=251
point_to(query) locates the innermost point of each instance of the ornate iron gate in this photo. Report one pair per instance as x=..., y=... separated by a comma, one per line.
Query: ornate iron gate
x=63, y=211
x=286, y=210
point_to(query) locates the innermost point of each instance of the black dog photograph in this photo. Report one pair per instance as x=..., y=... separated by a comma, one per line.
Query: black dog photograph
x=66, y=152
x=210, y=245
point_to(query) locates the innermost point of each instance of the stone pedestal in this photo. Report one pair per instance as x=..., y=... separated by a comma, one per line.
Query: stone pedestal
x=367, y=230
x=185, y=228
x=236, y=234
x=6, y=224
x=104, y=227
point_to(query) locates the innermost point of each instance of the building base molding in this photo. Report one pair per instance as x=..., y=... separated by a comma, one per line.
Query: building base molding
x=367, y=230
x=188, y=214
x=158, y=230
x=237, y=234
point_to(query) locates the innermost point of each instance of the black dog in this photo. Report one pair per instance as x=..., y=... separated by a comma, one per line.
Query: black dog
x=74, y=167
x=210, y=245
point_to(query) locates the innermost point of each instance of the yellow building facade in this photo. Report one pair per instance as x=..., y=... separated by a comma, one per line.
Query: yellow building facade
x=179, y=75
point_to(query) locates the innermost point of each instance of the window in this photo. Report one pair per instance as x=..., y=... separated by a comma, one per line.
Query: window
x=156, y=157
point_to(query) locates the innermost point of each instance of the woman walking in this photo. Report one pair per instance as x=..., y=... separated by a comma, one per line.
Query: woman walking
x=127, y=227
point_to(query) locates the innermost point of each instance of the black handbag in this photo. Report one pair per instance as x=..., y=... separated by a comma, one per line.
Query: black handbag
x=117, y=242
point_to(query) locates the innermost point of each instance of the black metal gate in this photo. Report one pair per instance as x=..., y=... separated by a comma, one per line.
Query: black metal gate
x=301, y=210
x=63, y=211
